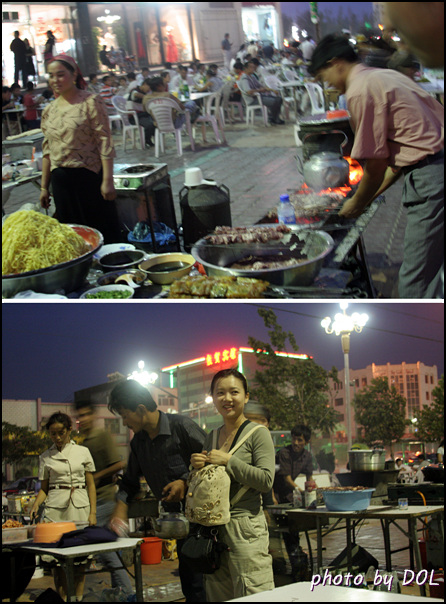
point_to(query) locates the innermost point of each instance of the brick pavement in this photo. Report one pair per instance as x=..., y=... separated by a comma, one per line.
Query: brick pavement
x=257, y=165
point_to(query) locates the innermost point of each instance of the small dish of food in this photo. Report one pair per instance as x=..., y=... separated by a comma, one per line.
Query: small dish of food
x=109, y=292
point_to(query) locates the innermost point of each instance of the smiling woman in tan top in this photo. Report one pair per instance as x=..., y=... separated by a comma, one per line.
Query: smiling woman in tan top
x=78, y=153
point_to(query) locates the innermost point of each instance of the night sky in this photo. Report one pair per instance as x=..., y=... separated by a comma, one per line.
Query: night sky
x=291, y=9
x=52, y=350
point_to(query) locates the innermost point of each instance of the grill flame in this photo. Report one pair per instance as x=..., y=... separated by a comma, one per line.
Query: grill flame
x=355, y=175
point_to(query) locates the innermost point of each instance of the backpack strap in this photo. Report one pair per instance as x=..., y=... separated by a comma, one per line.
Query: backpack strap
x=244, y=489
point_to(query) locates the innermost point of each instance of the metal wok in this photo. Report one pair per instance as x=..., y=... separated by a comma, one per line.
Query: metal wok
x=308, y=247
x=67, y=276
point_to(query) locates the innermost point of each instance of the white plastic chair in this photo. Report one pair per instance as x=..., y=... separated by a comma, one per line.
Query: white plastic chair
x=120, y=104
x=208, y=117
x=161, y=110
x=251, y=109
x=228, y=106
x=115, y=118
x=317, y=99
x=274, y=83
x=290, y=75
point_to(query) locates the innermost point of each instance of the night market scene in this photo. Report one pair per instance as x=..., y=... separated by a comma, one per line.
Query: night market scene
x=282, y=452
x=206, y=150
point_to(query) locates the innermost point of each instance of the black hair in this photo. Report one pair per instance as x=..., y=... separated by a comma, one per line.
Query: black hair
x=331, y=47
x=155, y=82
x=14, y=86
x=92, y=75
x=129, y=394
x=59, y=418
x=131, y=76
x=301, y=430
x=29, y=86
x=146, y=81
x=255, y=408
x=224, y=373
x=5, y=89
x=82, y=404
x=238, y=65
x=105, y=78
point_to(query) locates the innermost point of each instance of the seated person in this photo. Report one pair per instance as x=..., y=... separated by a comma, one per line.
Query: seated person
x=249, y=86
x=213, y=82
x=181, y=79
x=94, y=85
x=122, y=86
x=31, y=102
x=200, y=76
x=159, y=90
x=131, y=84
x=145, y=120
x=144, y=75
x=107, y=93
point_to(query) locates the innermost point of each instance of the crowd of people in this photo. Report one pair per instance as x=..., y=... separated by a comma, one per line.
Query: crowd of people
x=79, y=481
x=91, y=483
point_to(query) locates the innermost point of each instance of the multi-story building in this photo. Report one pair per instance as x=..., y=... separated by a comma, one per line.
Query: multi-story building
x=414, y=381
x=193, y=377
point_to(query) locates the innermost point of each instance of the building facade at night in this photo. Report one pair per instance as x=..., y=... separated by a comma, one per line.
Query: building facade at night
x=192, y=379
x=414, y=381
x=152, y=32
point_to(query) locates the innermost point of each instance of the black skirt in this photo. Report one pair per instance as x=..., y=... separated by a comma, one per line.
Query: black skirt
x=78, y=200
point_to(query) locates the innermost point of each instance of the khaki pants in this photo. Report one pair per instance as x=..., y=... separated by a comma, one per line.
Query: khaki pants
x=247, y=568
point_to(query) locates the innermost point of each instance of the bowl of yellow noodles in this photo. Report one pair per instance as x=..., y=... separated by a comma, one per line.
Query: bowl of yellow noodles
x=43, y=255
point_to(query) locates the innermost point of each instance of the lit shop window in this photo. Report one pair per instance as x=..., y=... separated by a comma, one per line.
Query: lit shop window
x=175, y=33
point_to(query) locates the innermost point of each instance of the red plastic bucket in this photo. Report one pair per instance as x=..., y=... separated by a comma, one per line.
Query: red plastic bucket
x=151, y=550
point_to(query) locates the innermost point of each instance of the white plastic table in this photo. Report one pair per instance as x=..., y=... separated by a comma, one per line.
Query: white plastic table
x=302, y=592
x=66, y=556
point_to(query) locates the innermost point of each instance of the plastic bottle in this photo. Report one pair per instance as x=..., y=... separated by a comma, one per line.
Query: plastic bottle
x=285, y=211
x=186, y=92
x=310, y=495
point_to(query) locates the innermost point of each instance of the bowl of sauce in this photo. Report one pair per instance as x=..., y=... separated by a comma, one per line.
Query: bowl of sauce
x=164, y=269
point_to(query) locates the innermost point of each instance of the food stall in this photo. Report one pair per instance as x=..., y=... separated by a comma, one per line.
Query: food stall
x=324, y=255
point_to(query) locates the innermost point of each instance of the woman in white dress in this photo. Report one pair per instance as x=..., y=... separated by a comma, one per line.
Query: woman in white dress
x=67, y=487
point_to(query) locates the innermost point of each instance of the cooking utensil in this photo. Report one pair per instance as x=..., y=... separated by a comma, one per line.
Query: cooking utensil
x=308, y=247
x=67, y=276
x=366, y=460
x=136, y=276
x=164, y=269
x=170, y=525
x=327, y=169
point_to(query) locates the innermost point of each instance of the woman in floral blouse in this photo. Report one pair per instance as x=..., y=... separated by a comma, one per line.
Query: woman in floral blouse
x=78, y=153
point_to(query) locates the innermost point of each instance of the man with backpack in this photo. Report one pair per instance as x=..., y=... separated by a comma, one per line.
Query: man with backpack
x=160, y=451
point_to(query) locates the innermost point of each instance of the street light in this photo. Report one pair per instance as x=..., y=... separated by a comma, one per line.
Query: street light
x=344, y=325
x=143, y=377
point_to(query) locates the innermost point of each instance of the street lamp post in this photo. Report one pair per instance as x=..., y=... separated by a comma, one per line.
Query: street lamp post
x=344, y=325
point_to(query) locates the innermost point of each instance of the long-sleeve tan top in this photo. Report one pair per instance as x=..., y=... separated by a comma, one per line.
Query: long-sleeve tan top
x=78, y=135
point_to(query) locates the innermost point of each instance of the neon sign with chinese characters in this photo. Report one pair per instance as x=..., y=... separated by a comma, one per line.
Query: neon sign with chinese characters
x=221, y=356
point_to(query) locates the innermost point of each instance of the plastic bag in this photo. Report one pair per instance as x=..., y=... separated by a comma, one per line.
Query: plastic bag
x=141, y=233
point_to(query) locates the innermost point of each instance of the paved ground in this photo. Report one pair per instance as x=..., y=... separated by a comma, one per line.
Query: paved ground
x=259, y=164
x=161, y=582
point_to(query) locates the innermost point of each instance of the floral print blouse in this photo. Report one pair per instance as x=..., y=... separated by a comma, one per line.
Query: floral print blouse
x=78, y=135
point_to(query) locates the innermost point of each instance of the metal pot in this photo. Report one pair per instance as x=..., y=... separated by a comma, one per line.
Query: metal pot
x=170, y=525
x=366, y=460
x=326, y=170
x=67, y=276
x=316, y=247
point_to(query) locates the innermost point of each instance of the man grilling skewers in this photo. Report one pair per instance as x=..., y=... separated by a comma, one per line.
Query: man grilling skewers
x=398, y=131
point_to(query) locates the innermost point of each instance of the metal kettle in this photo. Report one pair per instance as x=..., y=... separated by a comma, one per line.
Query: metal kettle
x=170, y=525
x=326, y=169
